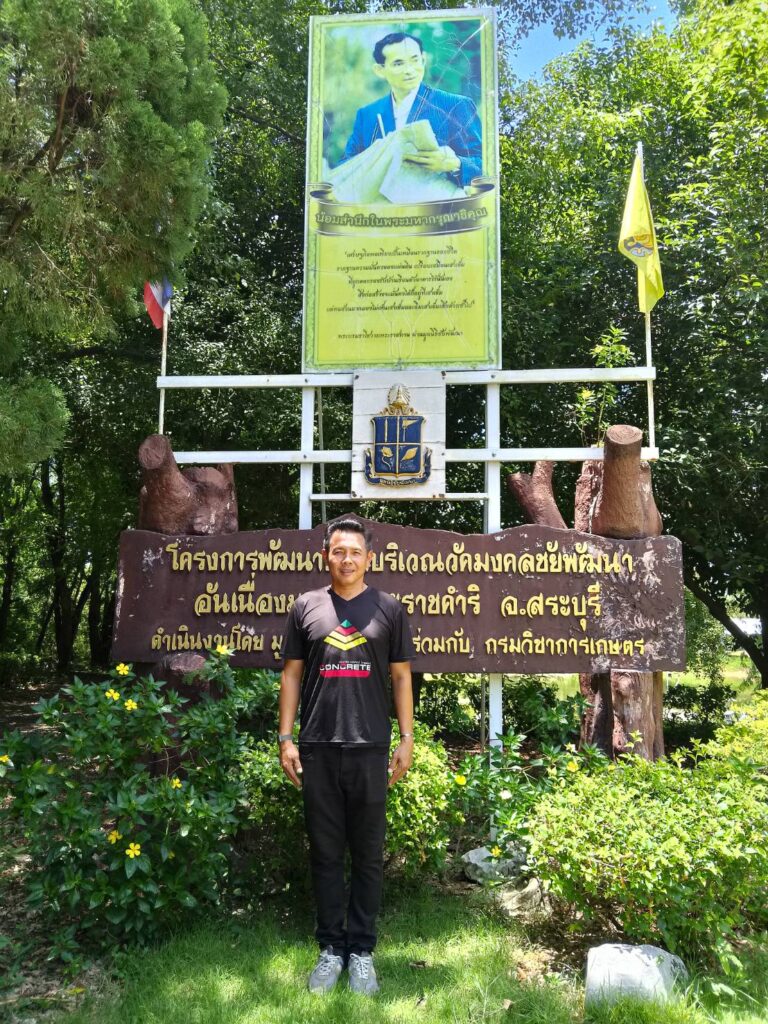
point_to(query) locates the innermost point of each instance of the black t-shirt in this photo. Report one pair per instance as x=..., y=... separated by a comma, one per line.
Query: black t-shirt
x=346, y=647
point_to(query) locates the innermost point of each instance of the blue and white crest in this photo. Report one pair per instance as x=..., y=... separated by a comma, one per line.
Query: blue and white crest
x=398, y=456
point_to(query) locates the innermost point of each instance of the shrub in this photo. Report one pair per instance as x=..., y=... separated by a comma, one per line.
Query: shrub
x=746, y=739
x=676, y=856
x=127, y=799
x=694, y=712
x=418, y=813
x=451, y=705
x=504, y=785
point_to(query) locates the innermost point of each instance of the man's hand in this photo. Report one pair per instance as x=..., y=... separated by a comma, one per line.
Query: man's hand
x=290, y=762
x=442, y=160
x=402, y=759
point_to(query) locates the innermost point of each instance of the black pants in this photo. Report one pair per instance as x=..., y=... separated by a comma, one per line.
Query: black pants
x=345, y=802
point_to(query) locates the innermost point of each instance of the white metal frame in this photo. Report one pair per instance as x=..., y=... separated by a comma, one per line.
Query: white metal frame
x=492, y=455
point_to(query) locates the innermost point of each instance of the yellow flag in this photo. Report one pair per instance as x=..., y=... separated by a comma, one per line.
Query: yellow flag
x=638, y=240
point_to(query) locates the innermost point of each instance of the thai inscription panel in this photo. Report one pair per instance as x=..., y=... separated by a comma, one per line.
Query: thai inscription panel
x=528, y=599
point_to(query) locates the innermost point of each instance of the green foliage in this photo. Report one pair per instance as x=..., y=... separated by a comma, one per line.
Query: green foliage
x=419, y=818
x=707, y=645
x=674, y=856
x=747, y=737
x=451, y=705
x=128, y=799
x=695, y=712
x=506, y=785
x=106, y=118
x=566, y=152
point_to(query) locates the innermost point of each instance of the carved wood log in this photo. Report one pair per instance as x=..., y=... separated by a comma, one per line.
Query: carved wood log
x=623, y=507
x=613, y=498
x=534, y=494
x=199, y=500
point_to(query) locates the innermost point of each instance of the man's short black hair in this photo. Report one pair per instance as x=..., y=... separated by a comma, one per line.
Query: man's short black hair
x=346, y=524
x=393, y=37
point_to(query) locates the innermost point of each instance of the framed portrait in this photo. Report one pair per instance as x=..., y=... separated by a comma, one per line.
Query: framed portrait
x=402, y=227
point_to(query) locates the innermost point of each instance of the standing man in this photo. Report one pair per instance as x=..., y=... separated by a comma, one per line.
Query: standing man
x=399, y=60
x=342, y=644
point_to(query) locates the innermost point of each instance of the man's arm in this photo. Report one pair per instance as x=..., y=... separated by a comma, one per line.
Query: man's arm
x=290, y=689
x=402, y=694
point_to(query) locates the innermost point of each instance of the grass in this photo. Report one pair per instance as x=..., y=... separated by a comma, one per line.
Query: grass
x=443, y=957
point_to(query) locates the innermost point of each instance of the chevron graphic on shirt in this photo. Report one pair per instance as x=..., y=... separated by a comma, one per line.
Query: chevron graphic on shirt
x=345, y=636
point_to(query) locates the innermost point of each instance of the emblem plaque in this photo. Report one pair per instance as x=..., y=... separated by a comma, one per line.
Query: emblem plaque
x=398, y=457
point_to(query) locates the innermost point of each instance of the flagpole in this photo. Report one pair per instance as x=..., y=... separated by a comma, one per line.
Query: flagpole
x=161, y=415
x=649, y=363
x=648, y=352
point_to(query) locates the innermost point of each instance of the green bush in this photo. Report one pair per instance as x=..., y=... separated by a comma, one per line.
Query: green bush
x=694, y=712
x=676, y=856
x=504, y=785
x=451, y=705
x=419, y=818
x=746, y=738
x=127, y=800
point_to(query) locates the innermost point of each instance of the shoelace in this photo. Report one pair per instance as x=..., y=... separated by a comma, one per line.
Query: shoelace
x=362, y=963
x=326, y=963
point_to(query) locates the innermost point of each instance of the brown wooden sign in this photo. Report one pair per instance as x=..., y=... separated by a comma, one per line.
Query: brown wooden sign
x=529, y=599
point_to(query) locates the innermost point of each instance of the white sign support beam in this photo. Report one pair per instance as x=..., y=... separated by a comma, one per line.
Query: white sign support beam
x=306, y=472
x=492, y=524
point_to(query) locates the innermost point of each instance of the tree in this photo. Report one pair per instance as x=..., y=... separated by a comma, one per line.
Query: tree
x=566, y=160
x=106, y=115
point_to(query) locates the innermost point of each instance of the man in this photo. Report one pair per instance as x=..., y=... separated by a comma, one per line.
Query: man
x=400, y=61
x=342, y=642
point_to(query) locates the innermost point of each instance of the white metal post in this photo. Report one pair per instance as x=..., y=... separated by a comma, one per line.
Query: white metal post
x=306, y=469
x=492, y=524
x=163, y=359
x=649, y=363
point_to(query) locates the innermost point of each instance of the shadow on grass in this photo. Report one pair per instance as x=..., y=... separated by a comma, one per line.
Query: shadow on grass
x=440, y=958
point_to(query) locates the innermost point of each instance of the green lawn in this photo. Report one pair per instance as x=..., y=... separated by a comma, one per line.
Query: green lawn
x=442, y=958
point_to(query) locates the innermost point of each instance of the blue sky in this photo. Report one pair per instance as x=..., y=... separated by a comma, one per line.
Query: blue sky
x=542, y=45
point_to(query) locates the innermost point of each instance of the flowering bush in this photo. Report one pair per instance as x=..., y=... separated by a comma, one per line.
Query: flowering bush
x=505, y=786
x=127, y=799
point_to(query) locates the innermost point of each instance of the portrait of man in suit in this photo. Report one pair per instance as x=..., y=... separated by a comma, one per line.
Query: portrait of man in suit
x=400, y=61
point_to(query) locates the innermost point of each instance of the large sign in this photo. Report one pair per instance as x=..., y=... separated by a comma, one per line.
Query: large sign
x=402, y=225
x=529, y=599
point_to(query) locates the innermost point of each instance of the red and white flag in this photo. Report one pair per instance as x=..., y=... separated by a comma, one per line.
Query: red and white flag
x=157, y=299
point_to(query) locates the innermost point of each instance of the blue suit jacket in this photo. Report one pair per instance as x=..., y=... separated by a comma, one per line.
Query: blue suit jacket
x=453, y=118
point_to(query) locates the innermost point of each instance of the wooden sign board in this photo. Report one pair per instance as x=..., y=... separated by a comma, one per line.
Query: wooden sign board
x=530, y=599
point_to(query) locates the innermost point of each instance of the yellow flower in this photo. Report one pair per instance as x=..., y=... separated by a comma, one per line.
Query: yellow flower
x=122, y=669
x=114, y=835
x=133, y=850
x=130, y=705
x=175, y=783
x=222, y=649
x=460, y=780
x=4, y=759
x=495, y=851
x=572, y=766
x=171, y=855
x=112, y=694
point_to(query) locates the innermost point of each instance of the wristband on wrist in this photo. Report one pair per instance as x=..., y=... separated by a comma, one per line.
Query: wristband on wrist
x=284, y=736
x=406, y=735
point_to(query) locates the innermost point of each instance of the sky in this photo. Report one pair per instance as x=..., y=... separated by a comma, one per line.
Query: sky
x=542, y=45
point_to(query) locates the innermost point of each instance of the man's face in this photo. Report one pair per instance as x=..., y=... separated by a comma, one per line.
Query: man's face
x=403, y=67
x=347, y=558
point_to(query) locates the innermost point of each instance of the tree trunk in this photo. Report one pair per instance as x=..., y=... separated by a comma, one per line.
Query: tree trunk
x=622, y=506
x=6, y=596
x=613, y=498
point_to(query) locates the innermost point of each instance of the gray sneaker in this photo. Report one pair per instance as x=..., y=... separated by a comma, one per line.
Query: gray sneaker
x=326, y=972
x=362, y=974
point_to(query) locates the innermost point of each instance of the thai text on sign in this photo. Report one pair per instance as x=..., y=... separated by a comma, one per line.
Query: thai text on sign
x=529, y=599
